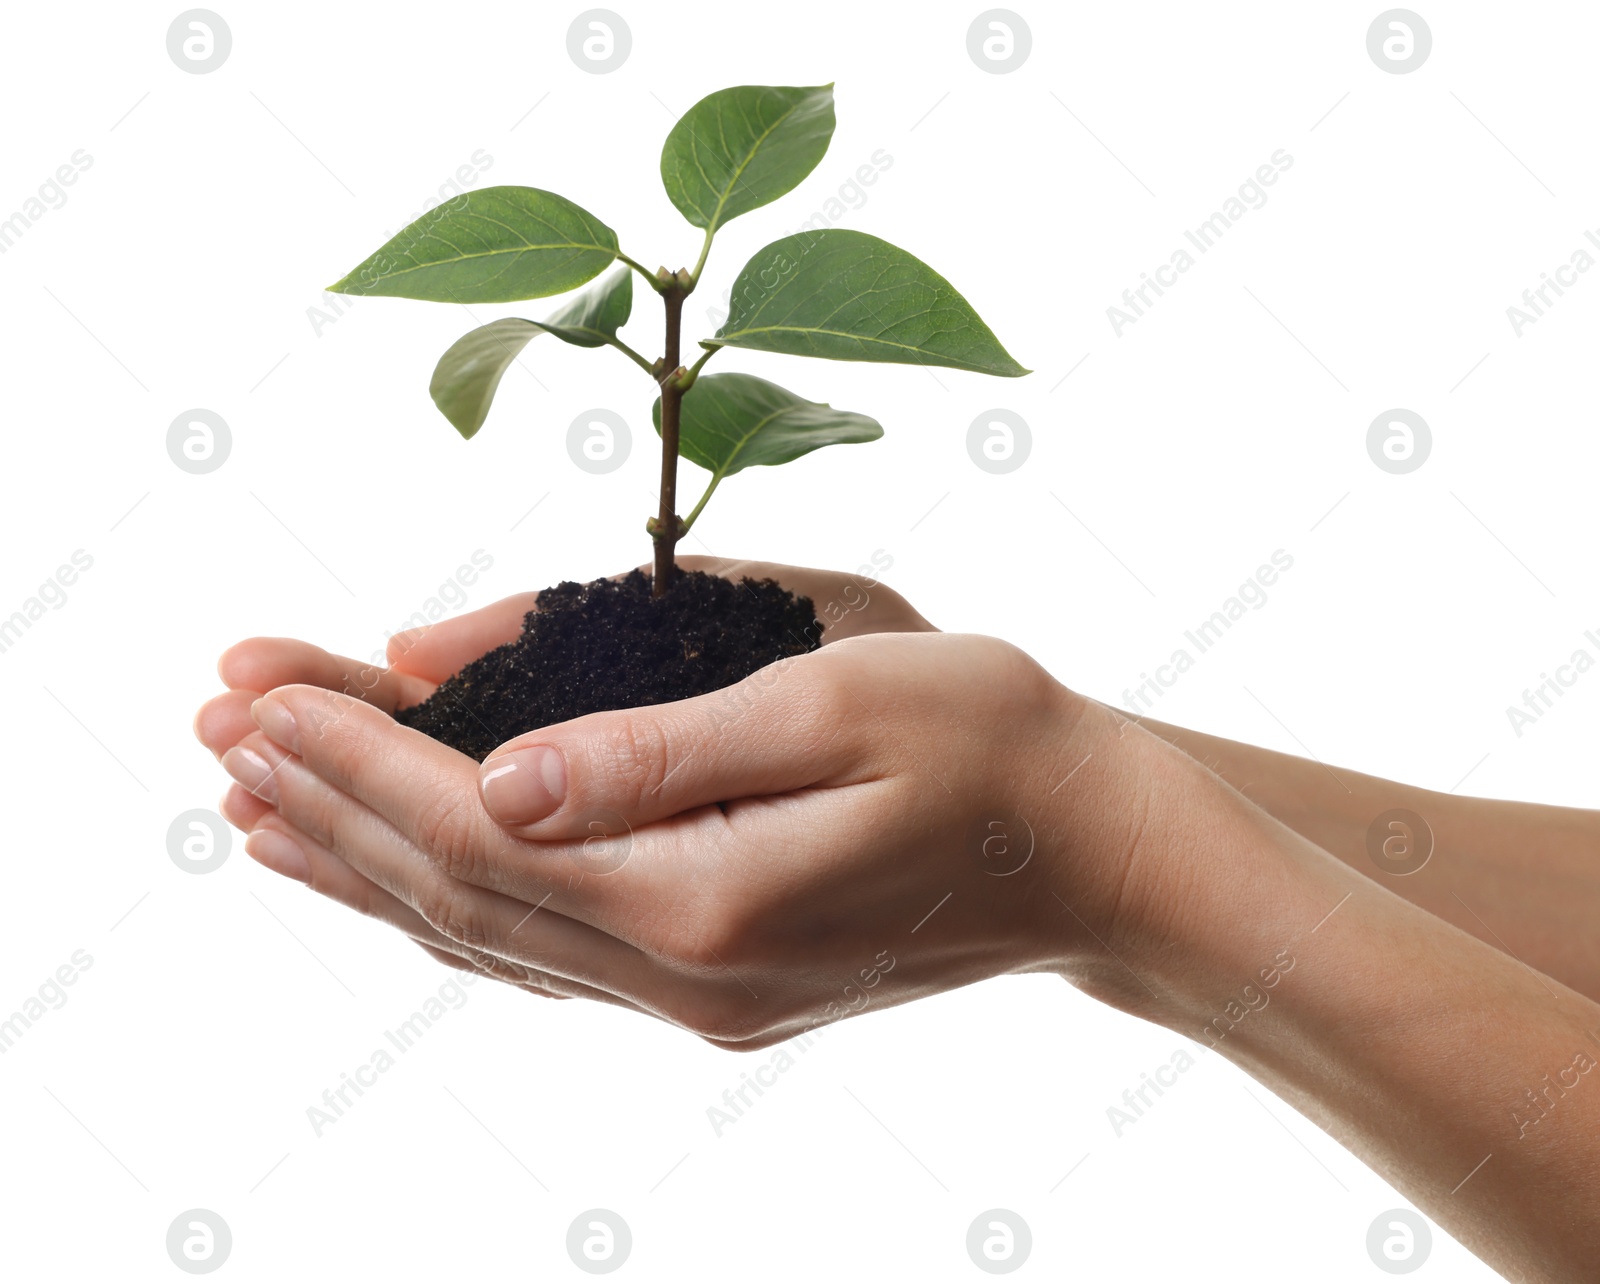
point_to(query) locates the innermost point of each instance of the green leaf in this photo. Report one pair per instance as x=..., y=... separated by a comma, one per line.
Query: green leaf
x=465, y=380
x=730, y=422
x=847, y=296
x=494, y=245
x=593, y=318
x=467, y=376
x=739, y=149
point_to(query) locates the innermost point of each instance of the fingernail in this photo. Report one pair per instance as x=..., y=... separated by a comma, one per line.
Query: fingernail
x=252, y=771
x=275, y=720
x=279, y=853
x=524, y=785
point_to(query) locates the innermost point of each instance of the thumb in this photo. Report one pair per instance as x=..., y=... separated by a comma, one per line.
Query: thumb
x=785, y=727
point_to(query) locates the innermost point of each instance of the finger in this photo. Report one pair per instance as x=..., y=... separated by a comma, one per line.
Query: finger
x=225, y=720
x=260, y=664
x=276, y=844
x=436, y=651
x=288, y=851
x=425, y=791
x=332, y=876
x=783, y=728
x=688, y=983
x=242, y=809
x=538, y=933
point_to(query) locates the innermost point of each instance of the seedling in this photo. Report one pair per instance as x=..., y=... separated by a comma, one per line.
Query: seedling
x=832, y=292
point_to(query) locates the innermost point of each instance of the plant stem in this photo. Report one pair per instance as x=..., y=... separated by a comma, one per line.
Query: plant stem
x=667, y=528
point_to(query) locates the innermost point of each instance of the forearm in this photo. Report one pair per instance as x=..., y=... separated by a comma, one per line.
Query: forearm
x=1521, y=877
x=1414, y=1044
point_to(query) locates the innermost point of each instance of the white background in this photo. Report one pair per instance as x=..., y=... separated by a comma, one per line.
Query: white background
x=1228, y=422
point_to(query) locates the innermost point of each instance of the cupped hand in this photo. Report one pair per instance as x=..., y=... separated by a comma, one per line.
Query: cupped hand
x=418, y=660
x=860, y=826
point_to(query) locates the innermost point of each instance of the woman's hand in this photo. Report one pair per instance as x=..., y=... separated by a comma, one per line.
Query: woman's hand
x=419, y=659
x=874, y=822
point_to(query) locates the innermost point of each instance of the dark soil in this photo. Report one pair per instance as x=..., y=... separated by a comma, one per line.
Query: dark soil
x=609, y=645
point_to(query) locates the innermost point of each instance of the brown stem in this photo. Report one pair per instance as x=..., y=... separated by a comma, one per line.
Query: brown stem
x=667, y=527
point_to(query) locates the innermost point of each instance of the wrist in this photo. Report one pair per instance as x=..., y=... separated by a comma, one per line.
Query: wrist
x=1190, y=891
x=1093, y=793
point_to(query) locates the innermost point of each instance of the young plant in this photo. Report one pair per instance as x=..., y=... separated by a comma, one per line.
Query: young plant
x=832, y=293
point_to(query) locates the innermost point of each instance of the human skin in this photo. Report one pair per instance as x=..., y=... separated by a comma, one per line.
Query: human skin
x=788, y=830
x=1520, y=876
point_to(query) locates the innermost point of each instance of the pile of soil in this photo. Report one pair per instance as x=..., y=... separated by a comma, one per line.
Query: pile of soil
x=609, y=644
